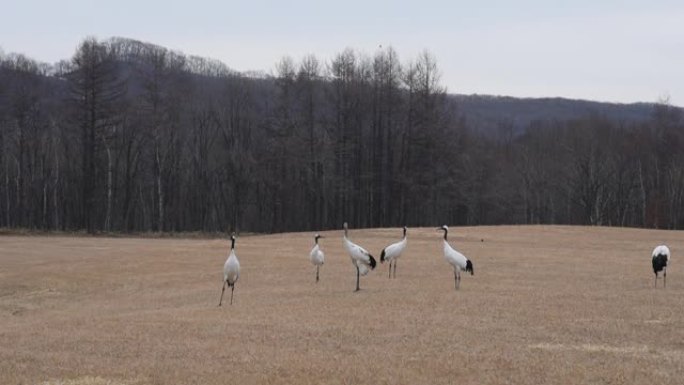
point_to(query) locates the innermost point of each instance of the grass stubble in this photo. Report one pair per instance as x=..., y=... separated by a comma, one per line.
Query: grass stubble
x=547, y=304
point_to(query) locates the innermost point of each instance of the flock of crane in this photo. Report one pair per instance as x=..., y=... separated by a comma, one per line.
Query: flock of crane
x=364, y=262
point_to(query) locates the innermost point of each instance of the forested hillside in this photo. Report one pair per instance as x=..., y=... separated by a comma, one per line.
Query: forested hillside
x=128, y=136
x=491, y=114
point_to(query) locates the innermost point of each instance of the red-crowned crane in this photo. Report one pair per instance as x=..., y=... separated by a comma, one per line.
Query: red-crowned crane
x=392, y=252
x=456, y=259
x=361, y=258
x=660, y=259
x=316, y=255
x=231, y=271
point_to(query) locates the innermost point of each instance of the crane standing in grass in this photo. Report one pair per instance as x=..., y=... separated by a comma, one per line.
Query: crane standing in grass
x=392, y=253
x=231, y=271
x=456, y=259
x=316, y=255
x=361, y=259
x=660, y=259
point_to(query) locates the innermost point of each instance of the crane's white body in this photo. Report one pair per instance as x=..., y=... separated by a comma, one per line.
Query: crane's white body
x=360, y=257
x=316, y=255
x=231, y=272
x=662, y=249
x=456, y=259
x=392, y=253
x=363, y=269
x=231, y=269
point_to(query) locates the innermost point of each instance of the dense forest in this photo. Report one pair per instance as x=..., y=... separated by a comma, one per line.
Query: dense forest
x=131, y=137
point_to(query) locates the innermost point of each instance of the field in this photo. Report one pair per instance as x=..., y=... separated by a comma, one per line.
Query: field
x=547, y=305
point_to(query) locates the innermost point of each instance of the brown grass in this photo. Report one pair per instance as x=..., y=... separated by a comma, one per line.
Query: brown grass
x=551, y=305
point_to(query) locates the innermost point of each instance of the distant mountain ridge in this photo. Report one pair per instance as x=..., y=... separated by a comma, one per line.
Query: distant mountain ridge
x=488, y=113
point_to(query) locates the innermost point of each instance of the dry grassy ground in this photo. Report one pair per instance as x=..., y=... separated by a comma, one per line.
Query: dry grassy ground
x=552, y=305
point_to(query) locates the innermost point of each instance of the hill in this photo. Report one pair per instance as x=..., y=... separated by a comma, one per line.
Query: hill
x=489, y=114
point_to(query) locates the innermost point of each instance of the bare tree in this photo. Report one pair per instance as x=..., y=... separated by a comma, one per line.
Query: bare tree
x=95, y=91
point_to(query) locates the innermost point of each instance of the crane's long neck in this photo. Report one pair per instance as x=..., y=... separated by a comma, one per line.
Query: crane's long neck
x=347, y=244
x=346, y=241
x=232, y=244
x=316, y=240
x=404, y=232
x=445, y=234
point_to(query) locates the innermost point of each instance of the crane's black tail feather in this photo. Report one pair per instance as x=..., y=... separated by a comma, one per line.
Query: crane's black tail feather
x=659, y=262
x=372, y=262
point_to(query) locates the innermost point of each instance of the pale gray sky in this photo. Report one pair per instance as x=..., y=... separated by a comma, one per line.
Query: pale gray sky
x=618, y=51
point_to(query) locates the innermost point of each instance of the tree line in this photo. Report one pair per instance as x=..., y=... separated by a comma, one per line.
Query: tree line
x=131, y=137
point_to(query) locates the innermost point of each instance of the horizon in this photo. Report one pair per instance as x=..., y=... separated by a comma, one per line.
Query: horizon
x=613, y=52
x=271, y=74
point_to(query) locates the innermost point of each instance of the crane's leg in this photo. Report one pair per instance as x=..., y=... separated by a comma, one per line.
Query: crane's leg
x=664, y=276
x=317, y=267
x=390, y=270
x=656, y=281
x=395, y=269
x=357, y=279
x=455, y=281
x=458, y=276
x=223, y=288
x=232, y=289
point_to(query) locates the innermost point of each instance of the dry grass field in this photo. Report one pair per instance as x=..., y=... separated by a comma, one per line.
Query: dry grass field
x=547, y=305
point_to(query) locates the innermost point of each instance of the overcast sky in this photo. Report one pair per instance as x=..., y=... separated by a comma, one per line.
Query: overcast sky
x=618, y=51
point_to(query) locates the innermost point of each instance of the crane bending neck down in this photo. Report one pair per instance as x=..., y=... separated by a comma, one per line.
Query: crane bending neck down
x=362, y=260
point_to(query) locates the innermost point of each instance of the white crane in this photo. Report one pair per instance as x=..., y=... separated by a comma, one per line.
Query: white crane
x=361, y=259
x=231, y=271
x=660, y=259
x=316, y=255
x=392, y=252
x=456, y=259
